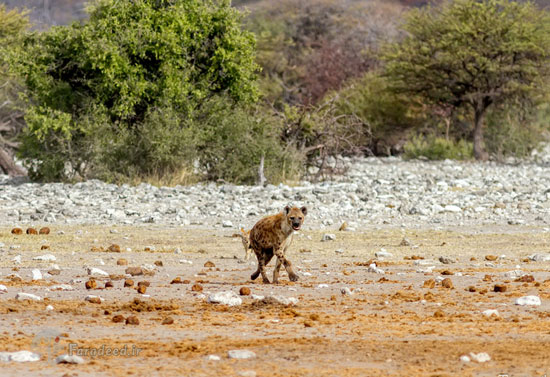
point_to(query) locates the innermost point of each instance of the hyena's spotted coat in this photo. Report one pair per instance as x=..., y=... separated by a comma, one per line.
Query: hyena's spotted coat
x=271, y=236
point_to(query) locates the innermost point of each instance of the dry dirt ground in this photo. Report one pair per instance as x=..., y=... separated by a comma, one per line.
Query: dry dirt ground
x=400, y=323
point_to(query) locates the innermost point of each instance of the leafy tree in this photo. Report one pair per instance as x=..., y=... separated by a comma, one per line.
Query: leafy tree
x=13, y=25
x=470, y=53
x=134, y=66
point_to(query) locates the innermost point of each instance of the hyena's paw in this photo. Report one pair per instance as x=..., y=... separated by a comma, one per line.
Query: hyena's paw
x=265, y=280
x=293, y=277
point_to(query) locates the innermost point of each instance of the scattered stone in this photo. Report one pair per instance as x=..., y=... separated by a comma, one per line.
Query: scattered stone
x=439, y=314
x=27, y=296
x=491, y=313
x=244, y=291
x=93, y=299
x=159, y=263
x=45, y=230
x=280, y=300
x=31, y=231
x=134, y=271
x=491, y=258
x=91, y=284
x=132, y=320
x=481, y=357
x=539, y=257
x=168, y=321
x=525, y=279
x=447, y=260
x=49, y=308
x=36, y=274
x=142, y=289
x=500, y=288
x=447, y=283
x=122, y=262
x=209, y=264
x=241, y=354
x=128, y=283
x=176, y=280
x=45, y=258
x=405, y=242
x=328, y=237
x=196, y=288
x=213, y=358
x=383, y=254
x=93, y=271
x=109, y=284
x=19, y=356
x=185, y=261
x=3, y=289
x=118, y=318
x=227, y=298
x=430, y=283
x=514, y=274
x=227, y=224
x=17, y=231
x=54, y=271
x=339, y=251
x=62, y=287
x=528, y=300
x=376, y=270
x=114, y=248
x=465, y=359
x=346, y=291
x=69, y=359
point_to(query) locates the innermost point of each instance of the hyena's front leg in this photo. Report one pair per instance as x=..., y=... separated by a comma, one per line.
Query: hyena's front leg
x=276, y=271
x=288, y=266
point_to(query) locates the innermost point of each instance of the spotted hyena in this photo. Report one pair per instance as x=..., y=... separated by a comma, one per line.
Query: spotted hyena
x=245, y=238
x=272, y=235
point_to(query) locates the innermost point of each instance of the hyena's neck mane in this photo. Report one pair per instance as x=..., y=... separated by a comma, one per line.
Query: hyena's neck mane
x=285, y=226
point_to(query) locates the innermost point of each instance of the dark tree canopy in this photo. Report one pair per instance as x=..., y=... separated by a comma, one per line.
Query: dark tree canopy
x=470, y=53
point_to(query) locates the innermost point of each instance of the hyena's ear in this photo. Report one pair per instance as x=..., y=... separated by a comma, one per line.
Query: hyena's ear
x=287, y=210
x=304, y=210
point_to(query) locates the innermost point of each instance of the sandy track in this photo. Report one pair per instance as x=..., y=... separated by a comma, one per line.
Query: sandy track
x=392, y=324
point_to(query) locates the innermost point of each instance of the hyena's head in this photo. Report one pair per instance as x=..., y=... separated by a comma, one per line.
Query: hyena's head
x=295, y=216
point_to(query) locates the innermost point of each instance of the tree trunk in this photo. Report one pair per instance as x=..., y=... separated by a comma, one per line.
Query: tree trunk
x=8, y=166
x=479, y=148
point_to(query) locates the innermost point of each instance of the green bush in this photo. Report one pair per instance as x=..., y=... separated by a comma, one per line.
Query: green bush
x=437, y=148
x=121, y=94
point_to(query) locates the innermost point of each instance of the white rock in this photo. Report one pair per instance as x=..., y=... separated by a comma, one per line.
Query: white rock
x=481, y=357
x=227, y=298
x=383, y=254
x=213, y=358
x=178, y=251
x=90, y=297
x=439, y=279
x=514, y=274
x=427, y=270
x=240, y=354
x=257, y=297
x=19, y=356
x=328, y=237
x=376, y=270
x=69, y=359
x=283, y=300
x=452, y=208
x=36, y=274
x=100, y=262
x=62, y=287
x=17, y=259
x=346, y=291
x=93, y=271
x=306, y=273
x=322, y=286
x=540, y=257
x=339, y=251
x=227, y=224
x=465, y=359
x=247, y=373
x=3, y=289
x=185, y=261
x=45, y=257
x=528, y=300
x=27, y=296
x=49, y=308
x=491, y=312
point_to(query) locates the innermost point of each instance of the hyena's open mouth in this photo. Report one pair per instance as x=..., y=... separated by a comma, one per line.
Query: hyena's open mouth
x=296, y=226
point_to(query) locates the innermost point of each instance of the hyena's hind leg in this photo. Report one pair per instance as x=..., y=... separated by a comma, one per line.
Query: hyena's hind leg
x=264, y=257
